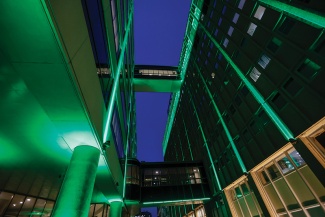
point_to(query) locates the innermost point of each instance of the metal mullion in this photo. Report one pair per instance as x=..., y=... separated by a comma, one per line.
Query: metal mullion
x=276, y=190
x=244, y=197
x=229, y=197
x=293, y=192
x=255, y=202
x=305, y=180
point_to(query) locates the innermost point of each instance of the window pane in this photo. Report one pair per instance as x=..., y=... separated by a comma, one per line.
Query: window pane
x=259, y=12
x=255, y=74
x=251, y=29
x=297, y=159
x=5, y=199
x=285, y=165
x=273, y=172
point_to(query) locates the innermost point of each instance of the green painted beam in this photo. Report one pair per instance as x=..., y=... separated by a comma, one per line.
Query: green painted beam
x=285, y=131
x=303, y=15
x=116, y=77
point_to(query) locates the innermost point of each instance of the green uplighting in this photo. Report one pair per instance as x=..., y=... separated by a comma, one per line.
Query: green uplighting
x=77, y=188
x=285, y=131
x=176, y=201
x=116, y=77
x=230, y=139
x=206, y=144
x=170, y=121
x=190, y=33
x=305, y=16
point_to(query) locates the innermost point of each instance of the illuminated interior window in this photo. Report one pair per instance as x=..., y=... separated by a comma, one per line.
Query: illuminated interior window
x=230, y=30
x=251, y=29
x=255, y=74
x=241, y=4
x=291, y=186
x=225, y=42
x=236, y=17
x=259, y=12
x=264, y=61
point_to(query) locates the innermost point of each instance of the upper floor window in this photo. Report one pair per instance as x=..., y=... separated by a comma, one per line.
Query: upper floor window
x=259, y=12
x=251, y=29
x=241, y=4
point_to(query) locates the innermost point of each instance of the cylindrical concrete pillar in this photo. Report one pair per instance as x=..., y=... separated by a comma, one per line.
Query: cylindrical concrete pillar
x=78, y=184
x=115, y=209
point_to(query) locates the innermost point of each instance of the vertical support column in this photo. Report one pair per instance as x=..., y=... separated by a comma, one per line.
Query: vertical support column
x=77, y=188
x=115, y=209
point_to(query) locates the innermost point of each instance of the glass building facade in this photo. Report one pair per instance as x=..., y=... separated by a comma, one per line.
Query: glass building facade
x=252, y=106
x=245, y=131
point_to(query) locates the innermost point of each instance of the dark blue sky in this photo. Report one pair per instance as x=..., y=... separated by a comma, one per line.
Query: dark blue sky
x=159, y=28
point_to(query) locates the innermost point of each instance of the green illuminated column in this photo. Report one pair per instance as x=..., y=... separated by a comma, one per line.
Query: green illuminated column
x=77, y=188
x=115, y=209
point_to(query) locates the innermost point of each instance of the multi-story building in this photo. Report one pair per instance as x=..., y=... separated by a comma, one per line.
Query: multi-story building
x=252, y=106
x=246, y=117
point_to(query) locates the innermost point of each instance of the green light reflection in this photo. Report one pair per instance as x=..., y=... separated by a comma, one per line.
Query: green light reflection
x=116, y=77
x=285, y=131
x=230, y=139
x=301, y=14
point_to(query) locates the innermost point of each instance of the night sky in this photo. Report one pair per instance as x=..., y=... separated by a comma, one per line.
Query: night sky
x=159, y=28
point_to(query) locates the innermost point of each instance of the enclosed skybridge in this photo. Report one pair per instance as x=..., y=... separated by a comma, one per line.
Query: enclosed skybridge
x=156, y=79
x=166, y=183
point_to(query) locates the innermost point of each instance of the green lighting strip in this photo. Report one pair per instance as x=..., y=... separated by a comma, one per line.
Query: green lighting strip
x=116, y=76
x=205, y=143
x=188, y=140
x=191, y=28
x=176, y=201
x=303, y=15
x=285, y=131
x=233, y=146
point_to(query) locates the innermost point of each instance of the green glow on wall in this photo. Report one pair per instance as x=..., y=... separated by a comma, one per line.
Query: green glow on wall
x=170, y=121
x=301, y=14
x=285, y=131
x=205, y=143
x=115, y=209
x=77, y=188
x=116, y=78
x=190, y=33
x=175, y=201
x=188, y=140
x=230, y=139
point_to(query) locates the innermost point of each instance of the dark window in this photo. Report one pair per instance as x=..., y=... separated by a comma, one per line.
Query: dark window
x=244, y=90
x=308, y=69
x=292, y=87
x=321, y=139
x=279, y=101
x=238, y=100
x=286, y=26
x=274, y=44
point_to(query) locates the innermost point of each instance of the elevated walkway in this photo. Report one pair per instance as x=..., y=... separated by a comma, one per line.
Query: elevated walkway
x=166, y=183
x=150, y=78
